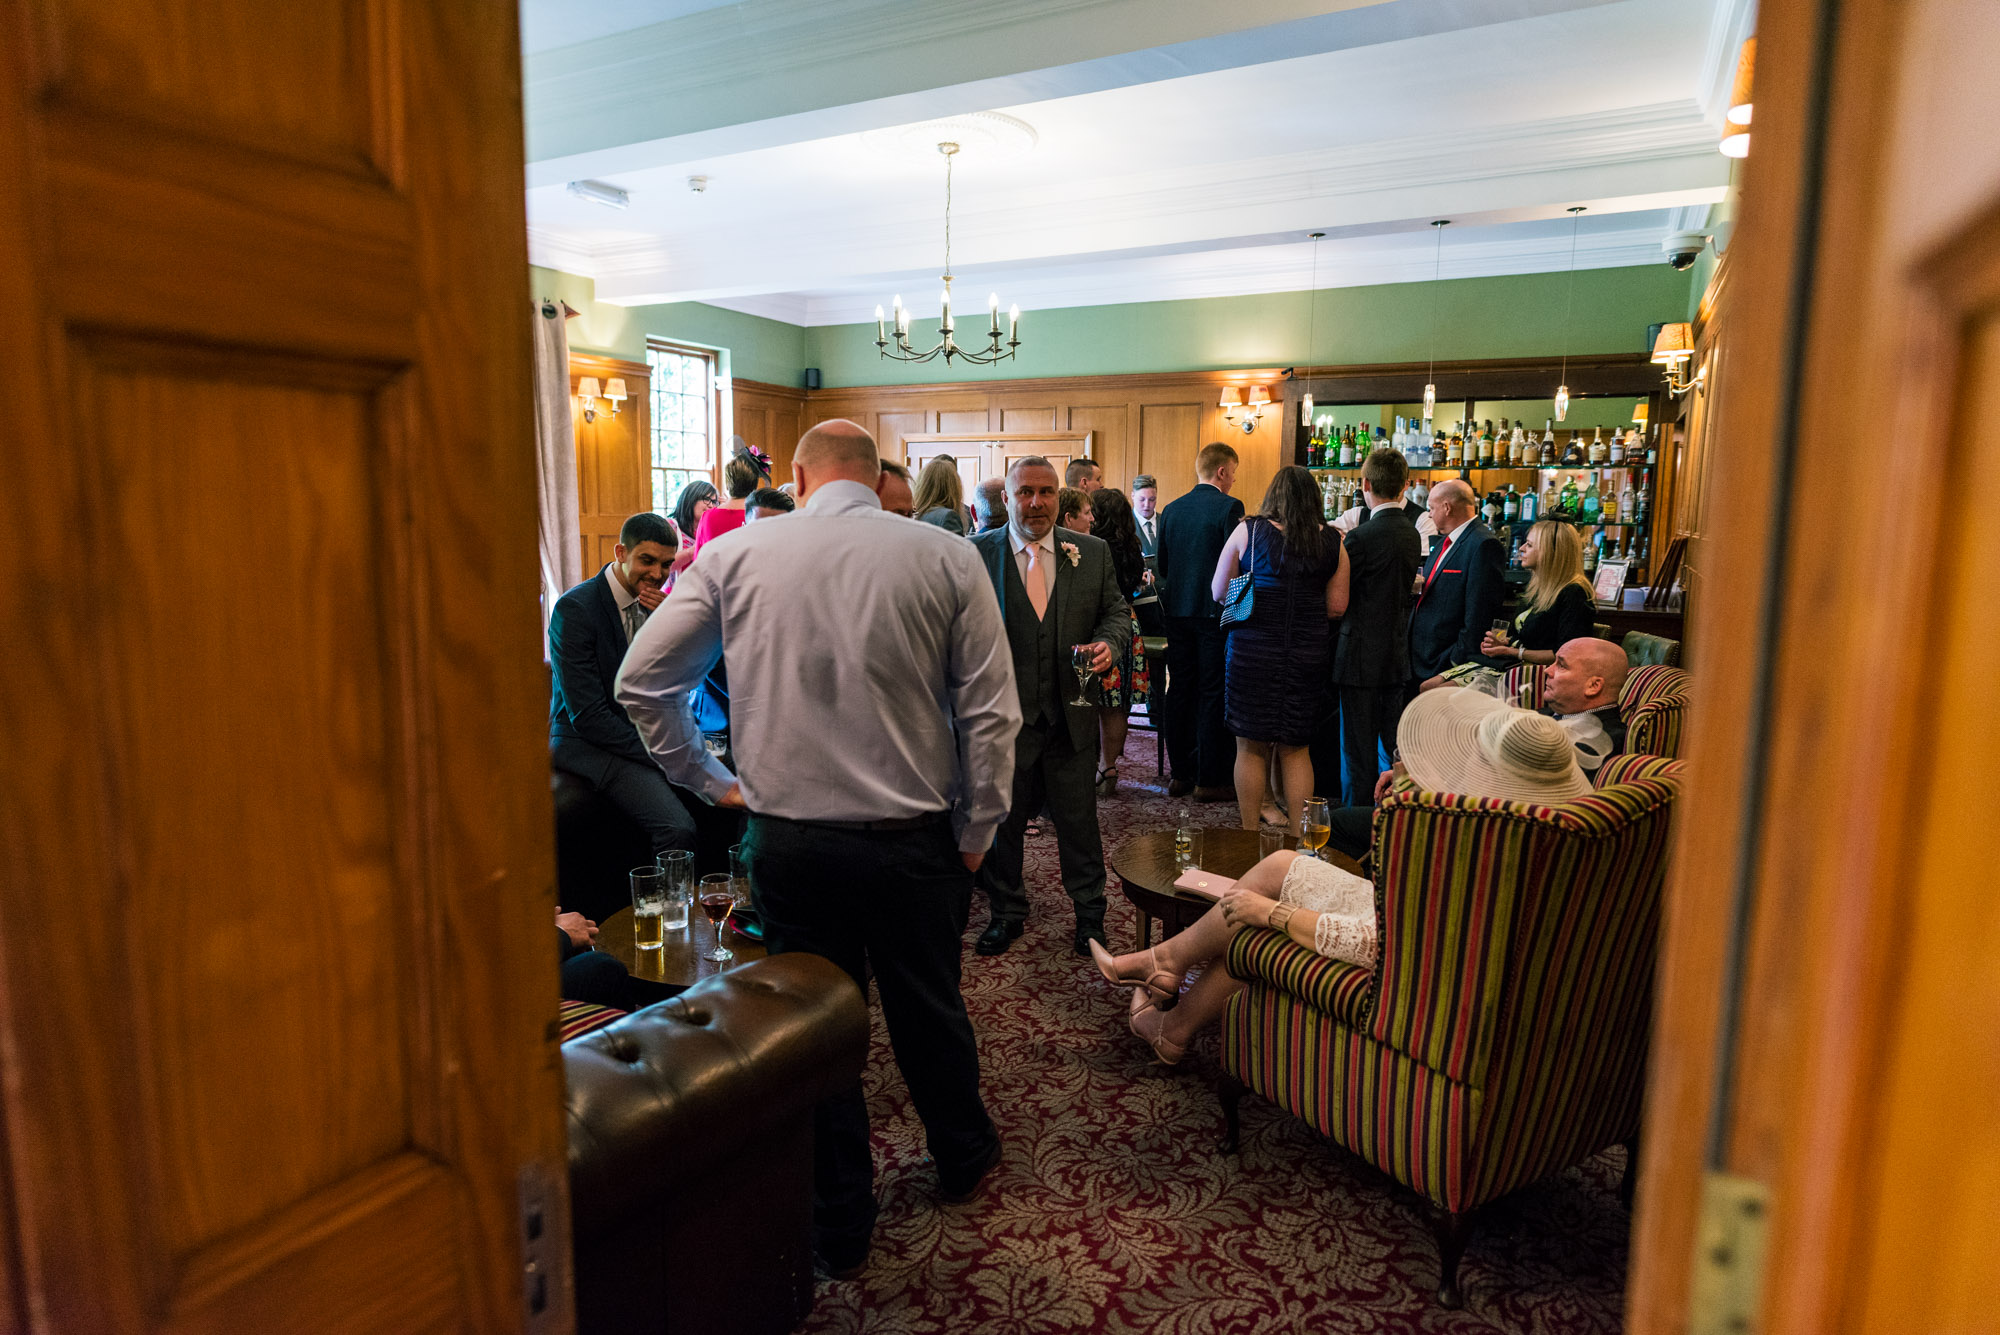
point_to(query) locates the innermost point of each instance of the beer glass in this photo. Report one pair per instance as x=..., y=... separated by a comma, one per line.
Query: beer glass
x=678, y=867
x=649, y=905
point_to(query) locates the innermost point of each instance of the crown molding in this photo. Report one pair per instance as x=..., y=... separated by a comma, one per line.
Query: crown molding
x=552, y=249
x=1733, y=22
x=789, y=307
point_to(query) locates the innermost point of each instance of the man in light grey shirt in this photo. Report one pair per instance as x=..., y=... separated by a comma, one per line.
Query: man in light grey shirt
x=872, y=716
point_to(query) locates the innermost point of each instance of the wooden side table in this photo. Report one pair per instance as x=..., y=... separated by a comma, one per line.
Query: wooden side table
x=681, y=962
x=1147, y=869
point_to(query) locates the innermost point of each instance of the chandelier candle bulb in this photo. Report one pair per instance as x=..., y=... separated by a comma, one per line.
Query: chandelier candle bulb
x=1014, y=324
x=881, y=333
x=944, y=310
x=993, y=313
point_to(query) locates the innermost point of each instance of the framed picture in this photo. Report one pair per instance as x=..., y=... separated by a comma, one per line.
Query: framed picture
x=1611, y=582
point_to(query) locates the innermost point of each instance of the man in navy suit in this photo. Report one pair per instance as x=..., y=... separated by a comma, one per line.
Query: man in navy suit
x=1371, y=658
x=1192, y=531
x=1460, y=589
x=589, y=734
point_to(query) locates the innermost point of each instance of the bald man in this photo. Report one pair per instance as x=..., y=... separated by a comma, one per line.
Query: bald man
x=1580, y=691
x=989, y=505
x=873, y=722
x=1460, y=588
x=895, y=491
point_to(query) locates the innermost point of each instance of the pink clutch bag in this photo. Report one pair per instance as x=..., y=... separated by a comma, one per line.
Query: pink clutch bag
x=1207, y=884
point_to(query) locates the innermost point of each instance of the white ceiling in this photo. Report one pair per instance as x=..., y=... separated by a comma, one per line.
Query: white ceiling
x=1194, y=169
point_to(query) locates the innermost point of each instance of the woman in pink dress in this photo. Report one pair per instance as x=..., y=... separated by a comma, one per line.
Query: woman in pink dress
x=746, y=471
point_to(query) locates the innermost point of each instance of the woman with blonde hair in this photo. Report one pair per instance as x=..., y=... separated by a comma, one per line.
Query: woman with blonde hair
x=1559, y=604
x=940, y=495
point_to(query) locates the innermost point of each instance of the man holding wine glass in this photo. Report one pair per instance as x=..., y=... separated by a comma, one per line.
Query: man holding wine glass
x=1062, y=610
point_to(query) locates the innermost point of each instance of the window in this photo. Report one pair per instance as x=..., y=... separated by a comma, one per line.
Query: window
x=683, y=420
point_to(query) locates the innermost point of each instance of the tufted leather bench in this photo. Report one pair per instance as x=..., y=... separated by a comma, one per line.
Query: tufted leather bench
x=690, y=1149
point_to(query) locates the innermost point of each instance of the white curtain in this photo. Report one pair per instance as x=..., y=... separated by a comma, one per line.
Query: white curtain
x=555, y=456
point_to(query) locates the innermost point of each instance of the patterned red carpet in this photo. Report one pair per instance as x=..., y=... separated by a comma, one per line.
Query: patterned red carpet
x=1113, y=1212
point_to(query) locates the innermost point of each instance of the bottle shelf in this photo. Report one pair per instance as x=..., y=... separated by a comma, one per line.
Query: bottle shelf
x=1508, y=468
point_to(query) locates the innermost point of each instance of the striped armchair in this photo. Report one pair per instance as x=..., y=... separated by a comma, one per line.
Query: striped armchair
x=1503, y=1036
x=1653, y=703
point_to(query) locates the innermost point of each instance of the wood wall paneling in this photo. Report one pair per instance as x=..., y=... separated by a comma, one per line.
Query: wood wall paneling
x=613, y=457
x=771, y=417
x=1039, y=417
x=1169, y=438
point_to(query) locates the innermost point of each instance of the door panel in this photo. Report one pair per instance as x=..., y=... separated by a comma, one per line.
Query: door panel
x=892, y=430
x=277, y=989
x=1169, y=439
x=972, y=419
x=1025, y=419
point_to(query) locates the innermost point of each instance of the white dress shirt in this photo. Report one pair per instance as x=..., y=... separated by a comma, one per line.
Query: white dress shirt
x=624, y=597
x=1045, y=559
x=870, y=676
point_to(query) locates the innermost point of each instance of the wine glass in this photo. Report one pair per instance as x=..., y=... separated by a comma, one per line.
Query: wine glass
x=1081, y=657
x=718, y=901
x=1315, y=825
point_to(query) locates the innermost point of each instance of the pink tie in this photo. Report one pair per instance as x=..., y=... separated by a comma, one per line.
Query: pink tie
x=1038, y=589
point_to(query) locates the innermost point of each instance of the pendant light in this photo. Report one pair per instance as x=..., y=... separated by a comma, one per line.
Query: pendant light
x=1312, y=310
x=1569, y=309
x=1437, y=267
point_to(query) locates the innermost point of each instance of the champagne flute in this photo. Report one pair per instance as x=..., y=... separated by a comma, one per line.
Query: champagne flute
x=1315, y=825
x=1081, y=657
x=718, y=900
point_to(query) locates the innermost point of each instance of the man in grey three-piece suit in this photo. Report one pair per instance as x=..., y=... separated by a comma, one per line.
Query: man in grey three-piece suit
x=1057, y=590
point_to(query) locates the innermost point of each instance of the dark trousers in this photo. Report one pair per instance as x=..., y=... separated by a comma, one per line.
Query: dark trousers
x=1351, y=830
x=1200, y=748
x=1368, y=718
x=641, y=791
x=1049, y=769
x=893, y=903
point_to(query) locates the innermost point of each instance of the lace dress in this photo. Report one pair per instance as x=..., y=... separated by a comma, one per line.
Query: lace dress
x=1345, y=904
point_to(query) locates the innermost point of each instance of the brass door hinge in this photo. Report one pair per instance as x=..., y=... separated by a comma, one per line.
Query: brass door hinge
x=1729, y=1256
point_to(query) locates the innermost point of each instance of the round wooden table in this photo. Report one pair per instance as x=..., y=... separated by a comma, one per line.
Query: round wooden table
x=1146, y=870
x=681, y=962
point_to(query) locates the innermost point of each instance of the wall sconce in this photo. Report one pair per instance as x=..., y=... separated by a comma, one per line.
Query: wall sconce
x=1736, y=125
x=1244, y=411
x=1674, y=349
x=588, y=393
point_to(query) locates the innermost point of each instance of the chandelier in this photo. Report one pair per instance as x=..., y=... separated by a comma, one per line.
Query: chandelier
x=947, y=344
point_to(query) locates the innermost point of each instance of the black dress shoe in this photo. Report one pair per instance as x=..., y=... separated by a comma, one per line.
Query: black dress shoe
x=1179, y=788
x=962, y=1186
x=996, y=938
x=1085, y=934
x=843, y=1270
x=1218, y=793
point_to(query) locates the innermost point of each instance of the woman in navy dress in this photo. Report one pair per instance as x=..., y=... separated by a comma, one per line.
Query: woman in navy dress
x=1280, y=660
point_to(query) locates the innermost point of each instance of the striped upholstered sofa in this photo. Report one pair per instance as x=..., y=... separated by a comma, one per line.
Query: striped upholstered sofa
x=1503, y=1035
x=1653, y=704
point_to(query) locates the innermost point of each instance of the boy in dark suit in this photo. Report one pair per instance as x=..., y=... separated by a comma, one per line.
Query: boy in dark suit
x=1462, y=587
x=1371, y=659
x=589, y=631
x=1192, y=531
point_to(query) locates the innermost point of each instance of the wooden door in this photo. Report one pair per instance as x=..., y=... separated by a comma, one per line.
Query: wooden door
x=1843, y=719
x=614, y=474
x=276, y=981
x=968, y=461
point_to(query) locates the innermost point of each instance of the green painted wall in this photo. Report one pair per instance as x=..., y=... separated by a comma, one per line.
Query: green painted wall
x=1519, y=315
x=752, y=347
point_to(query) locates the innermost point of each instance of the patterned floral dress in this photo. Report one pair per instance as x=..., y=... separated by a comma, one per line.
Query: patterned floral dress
x=1129, y=682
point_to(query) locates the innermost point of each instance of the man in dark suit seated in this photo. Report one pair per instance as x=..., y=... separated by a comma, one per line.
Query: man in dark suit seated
x=1193, y=529
x=1461, y=588
x=589, y=734
x=1371, y=659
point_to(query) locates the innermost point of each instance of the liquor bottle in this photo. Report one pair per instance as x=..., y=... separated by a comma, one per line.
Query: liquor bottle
x=1626, y=501
x=1608, y=506
x=1590, y=558
x=1531, y=506
x=1568, y=503
x=1510, y=501
x=1617, y=455
x=1422, y=495
x=1593, y=503
x=1516, y=447
x=1644, y=501
x=1572, y=454
x=1454, y=453
x=1548, y=442
x=1653, y=447
x=1491, y=510
x=1514, y=557
x=1486, y=444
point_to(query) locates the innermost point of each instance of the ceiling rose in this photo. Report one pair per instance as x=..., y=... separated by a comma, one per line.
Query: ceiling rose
x=987, y=136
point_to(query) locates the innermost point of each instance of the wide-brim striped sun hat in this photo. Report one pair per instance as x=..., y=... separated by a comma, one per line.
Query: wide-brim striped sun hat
x=1455, y=740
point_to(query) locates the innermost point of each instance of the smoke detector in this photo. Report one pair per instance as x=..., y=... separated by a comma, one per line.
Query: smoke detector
x=698, y=184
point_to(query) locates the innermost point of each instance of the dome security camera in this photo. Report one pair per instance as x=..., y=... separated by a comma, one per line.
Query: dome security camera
x=1683, y=248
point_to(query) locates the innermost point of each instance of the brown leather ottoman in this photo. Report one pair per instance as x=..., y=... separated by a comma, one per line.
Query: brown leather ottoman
x=690, y=1150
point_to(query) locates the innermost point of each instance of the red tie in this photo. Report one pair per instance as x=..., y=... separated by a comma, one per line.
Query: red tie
x=1439, y=565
